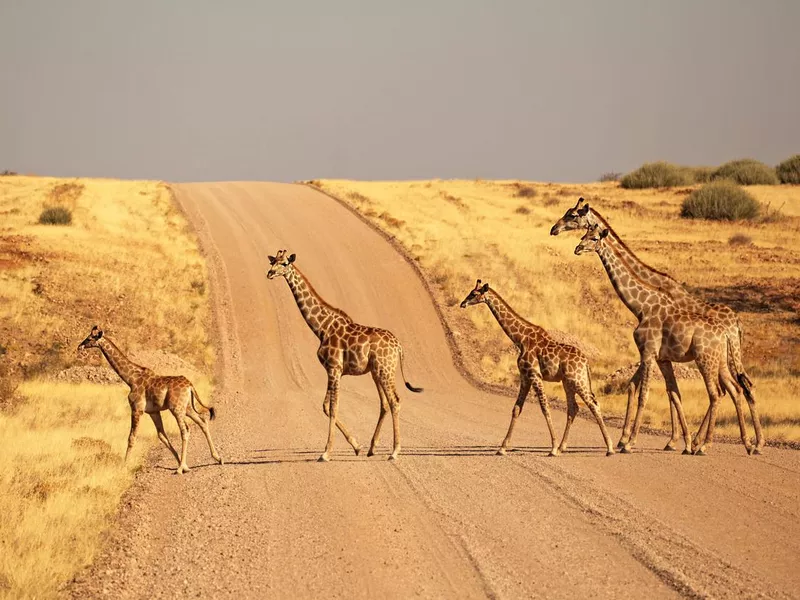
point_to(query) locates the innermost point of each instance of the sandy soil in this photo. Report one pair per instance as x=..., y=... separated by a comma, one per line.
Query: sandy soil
x=449, y=519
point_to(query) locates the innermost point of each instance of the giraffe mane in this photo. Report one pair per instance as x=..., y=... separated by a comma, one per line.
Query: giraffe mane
x=620, y=241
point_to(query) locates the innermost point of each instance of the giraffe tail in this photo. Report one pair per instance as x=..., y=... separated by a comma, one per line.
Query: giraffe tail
x=416, y=390
x=210, y=409
x=737, y=368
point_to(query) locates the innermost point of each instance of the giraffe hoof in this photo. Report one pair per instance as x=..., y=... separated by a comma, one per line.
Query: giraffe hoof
x=686, y=452
x=371, y=452
x=669, y=448
x=323, y=458
x=699, y=452
x=220, y=461
x=625, y=450
x=756, y=451
x=357, y=450
x=181, y=470
x=553, y=453
x=502, y=452
x=610, y=452
x=392, y=457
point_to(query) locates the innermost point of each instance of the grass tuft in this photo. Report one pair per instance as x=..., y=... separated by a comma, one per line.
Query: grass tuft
x=56, y=215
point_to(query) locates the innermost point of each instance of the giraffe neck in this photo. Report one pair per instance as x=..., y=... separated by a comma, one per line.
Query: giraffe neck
x=640, y=269
x=318, y=314
x=514, y=326
x=631, y=291
x=124, y=367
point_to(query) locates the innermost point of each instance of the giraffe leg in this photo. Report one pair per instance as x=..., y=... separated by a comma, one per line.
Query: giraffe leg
x=644, y=390
x=735, y=394
x=381, y=416
x=711, y=379
x=588, y=397
x=334, y=377
x=677, y=414
x=524, y=388
x=162, y=434
x=181, y=419
x=572, y=410
x=538, y=388
x=701, y=431
x=135, y=416
x=751, y=402
x=633, y=390
x=204, y=427
x=394, y=406
x=341, y=426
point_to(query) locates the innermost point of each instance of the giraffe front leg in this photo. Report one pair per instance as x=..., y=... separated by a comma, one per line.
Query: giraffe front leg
x=381, y=417
x=162, y=435
x=735, y=395
x=524, y=388
x=394, y=406
x=710, y=377
x=644, y=390
x=184, y=428
x=545, y=406
x=135, y=416
x=572, y=411
x=334, y=376
x=633, y=391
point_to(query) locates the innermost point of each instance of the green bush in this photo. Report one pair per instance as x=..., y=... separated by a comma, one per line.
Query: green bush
x=55, y=215
x=656, y=175
x=747, y=171
x=789, y=170
x=720, y=200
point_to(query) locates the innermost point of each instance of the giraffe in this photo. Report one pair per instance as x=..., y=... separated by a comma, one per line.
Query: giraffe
x=582, y=216
x=151, y=394
x=346, y=348
x=557, y=362
x=666, y=333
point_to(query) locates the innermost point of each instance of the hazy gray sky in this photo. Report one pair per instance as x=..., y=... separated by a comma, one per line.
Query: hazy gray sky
x=554, y=90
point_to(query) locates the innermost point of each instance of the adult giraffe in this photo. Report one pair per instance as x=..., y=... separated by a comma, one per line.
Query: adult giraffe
x=346, y=348
x=581, y=216
x=669, y=333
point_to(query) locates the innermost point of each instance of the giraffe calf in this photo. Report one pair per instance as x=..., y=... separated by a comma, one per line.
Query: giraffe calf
x=556, y=361
x=151, y=394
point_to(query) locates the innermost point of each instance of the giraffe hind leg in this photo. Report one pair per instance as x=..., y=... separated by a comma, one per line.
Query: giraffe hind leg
x=381, y=417
x=204, y=427
x=162, y=435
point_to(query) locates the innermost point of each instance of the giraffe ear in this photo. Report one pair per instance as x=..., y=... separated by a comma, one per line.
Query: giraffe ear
x=291, y=258
x=99, y=334
x=485, y=288
x=603, y=233
x=584, y=210
x=271, y=260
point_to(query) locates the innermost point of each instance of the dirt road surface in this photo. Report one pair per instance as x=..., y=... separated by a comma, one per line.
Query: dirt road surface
x=449, y=519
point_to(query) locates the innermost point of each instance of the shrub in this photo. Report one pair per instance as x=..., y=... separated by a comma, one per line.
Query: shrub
x=789, y=170
x=720, y=200
x=7, y=173
x=747, y=172
x=55, y=215
x=656, y=175
x=522, y=210
x=740, y=239
x=610, y=176
x=700, y=174
x=524, y=191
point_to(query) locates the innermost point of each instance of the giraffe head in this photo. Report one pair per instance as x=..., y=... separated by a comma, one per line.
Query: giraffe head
x=477, y=295
x=92, y=339
x=592, y=239
x=576, y=217
x=281, y=264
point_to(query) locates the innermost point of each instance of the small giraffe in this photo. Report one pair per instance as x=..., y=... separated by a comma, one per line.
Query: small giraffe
x=151, y=394
x=557, y=362
x=666, y=333
x=581, y=216
x=346, y=348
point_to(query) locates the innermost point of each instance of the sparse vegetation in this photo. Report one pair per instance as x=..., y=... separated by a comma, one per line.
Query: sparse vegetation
x=56, y=492
x=7, y=173
x=657, y=175
x=522, y=210
x=720, y=200
x=55, y=215
x=740, y=239
x=789, y=170
x=746, y=171
x=524, y=191
x=610, y=176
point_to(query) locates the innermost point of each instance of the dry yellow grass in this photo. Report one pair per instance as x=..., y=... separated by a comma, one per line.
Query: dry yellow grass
x=129, y=263
x=498, y=231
